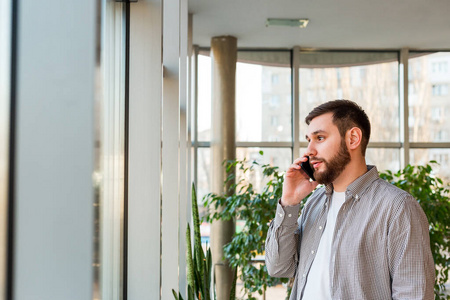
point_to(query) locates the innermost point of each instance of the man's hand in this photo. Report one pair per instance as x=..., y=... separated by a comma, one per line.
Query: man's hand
x=296, y=185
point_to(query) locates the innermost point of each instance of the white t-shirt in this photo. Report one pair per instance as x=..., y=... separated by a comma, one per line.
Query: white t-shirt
x=318, y=281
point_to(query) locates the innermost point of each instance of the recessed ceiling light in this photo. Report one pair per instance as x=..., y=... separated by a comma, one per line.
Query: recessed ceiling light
x=287, y=22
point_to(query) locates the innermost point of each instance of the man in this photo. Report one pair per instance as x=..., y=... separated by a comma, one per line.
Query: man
x=358, y=237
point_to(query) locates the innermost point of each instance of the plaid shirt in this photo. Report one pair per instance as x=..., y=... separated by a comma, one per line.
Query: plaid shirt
x=380, y=250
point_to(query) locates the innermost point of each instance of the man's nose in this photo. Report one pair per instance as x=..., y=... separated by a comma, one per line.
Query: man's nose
x=311, y=150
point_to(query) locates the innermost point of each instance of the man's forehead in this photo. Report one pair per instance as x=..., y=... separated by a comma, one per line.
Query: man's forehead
x=321, y=124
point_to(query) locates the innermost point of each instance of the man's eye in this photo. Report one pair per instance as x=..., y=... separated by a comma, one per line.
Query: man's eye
x=320, y=138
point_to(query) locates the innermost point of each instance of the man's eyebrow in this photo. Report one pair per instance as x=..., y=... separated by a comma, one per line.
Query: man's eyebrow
x=315, y=133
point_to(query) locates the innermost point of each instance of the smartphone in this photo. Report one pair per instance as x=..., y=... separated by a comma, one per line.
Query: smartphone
x=307, y=168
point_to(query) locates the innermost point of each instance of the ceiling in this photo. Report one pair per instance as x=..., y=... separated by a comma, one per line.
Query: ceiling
x=344, y=24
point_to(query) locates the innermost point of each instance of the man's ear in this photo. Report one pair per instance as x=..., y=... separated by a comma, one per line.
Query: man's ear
x=354, y=138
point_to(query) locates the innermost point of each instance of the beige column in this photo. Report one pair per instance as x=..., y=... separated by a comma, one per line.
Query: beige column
x=223, y=147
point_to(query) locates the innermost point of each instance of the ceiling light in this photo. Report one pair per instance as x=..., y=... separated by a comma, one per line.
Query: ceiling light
x=287, y=22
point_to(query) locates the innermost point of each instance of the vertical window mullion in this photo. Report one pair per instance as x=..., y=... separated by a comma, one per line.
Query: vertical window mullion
x=295, y=102
x=404, y=106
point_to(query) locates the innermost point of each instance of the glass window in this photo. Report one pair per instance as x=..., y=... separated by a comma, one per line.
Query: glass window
x=368, y=78
x=429, y=79
x=384, y=158
x=278, y=157
x=5, y=71
x=204, y=98
x=440, y=155
x=203, y=173
x=262, y=80
x=203, y=187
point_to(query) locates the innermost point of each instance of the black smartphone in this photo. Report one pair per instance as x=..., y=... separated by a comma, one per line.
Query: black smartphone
x=307, y=168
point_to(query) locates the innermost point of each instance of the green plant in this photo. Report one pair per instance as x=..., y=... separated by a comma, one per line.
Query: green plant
x=199, y=264
x=433, y=197
x=256, y=209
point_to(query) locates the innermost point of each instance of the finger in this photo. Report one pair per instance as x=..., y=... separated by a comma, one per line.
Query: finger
x=294, y=167
x=300, y=160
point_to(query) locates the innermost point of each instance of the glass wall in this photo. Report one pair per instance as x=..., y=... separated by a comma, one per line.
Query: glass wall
x=263, y=110
x=429, y=108
x=204, y=98
x=429, y=97
x=279, y=157
x=263, y=97
x=422, y=156
x=5, y=72
x=264, y=104
x=265, y=115
x=368, y=78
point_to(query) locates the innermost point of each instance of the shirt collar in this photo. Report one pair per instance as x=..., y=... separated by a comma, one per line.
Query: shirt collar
x=357, y=187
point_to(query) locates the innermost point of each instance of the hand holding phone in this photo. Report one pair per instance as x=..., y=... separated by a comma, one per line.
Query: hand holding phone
x=296, y=185
x=306, y=166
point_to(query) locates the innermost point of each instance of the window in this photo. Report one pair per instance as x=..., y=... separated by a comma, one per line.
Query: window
x=275, y=101
x=280, y=157
x=256, y=96
x=275, y=79
x=426, y=110
x=439, y=89
x=368, y=78
x=204, y=98
x=439, y=67
x=436, y=113
x=423, y=156
x=274, y=121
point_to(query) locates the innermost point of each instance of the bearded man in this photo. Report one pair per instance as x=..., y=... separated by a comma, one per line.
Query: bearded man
x=357, y=237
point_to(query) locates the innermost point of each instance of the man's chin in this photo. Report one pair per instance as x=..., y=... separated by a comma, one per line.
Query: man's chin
x=318, y=176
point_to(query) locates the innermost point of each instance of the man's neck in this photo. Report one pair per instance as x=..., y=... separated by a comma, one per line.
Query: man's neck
x=352, y=171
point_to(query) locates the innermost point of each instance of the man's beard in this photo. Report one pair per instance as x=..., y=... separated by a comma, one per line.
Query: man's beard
x=334, y=166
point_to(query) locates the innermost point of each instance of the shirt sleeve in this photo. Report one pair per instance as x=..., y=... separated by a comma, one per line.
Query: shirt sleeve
x=282, y=241
x=410, y=260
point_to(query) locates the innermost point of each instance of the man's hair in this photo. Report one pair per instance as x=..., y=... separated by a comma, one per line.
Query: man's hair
x=346, y=115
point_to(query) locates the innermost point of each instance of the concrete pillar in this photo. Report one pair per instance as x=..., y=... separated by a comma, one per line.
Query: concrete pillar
x=223, y=147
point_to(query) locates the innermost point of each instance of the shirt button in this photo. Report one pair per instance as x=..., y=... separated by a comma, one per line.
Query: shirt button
x=304, y=275
x=320, y=227
x=289, y=215
x=281, y=215
x=356, y=196
x=312, y=252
